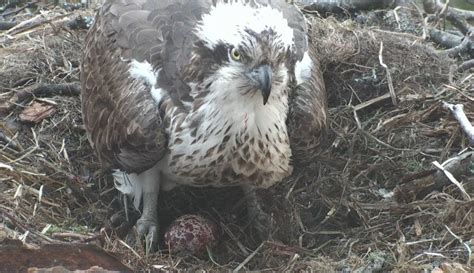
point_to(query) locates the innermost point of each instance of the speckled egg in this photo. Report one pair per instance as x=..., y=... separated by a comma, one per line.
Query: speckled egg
x=191, y=234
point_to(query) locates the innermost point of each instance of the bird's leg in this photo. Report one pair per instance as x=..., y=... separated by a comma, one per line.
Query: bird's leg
x=261, y=221
x=147, y=225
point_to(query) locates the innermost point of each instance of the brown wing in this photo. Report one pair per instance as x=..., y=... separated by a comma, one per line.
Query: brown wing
x=307, y=117
x=122, y=119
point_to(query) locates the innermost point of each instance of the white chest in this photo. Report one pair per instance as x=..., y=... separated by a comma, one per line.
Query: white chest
x=232, y=141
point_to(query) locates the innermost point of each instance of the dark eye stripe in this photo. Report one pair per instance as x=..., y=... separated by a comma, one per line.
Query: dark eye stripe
x=220, y=53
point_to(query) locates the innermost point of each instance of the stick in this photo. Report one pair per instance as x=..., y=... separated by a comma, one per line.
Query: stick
x=466, y=14
x=341, y=6
x=27, y=5
x=250, y=257
x=48, y=90
x=451, y=178
x=419, y=185
x=389, y=76
x=434, y=6
x=460, y=116
x=464, y=46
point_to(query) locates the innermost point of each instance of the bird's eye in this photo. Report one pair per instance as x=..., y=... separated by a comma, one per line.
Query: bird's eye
x=235, y=54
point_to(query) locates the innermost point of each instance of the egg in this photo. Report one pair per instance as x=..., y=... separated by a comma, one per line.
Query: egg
x=191, y=234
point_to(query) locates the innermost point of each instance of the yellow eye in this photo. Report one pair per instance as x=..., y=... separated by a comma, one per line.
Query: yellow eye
x=234, y=54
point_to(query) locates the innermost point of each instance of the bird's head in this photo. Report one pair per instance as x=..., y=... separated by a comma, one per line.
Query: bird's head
x=245, y=50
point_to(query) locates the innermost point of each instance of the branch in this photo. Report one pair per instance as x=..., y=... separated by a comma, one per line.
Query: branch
x=459, y=22
x=444, y=39
x=41, y=90
x=340, y=6
x=18, y=10
x=465, y=46
x=434, y=6
x=419, y=185
x=460, y=116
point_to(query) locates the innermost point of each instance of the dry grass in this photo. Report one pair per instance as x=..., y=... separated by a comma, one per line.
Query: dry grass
x=332, y=215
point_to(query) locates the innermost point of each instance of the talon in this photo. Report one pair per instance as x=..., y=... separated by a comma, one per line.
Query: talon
x=148, y=229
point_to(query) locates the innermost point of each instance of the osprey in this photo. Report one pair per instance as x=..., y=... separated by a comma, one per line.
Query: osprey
x=200, y=93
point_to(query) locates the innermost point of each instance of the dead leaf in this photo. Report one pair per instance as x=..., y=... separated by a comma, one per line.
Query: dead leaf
x=418, y=228
x=37, y=112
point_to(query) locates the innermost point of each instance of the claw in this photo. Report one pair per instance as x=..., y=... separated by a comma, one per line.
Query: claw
x=148, y=229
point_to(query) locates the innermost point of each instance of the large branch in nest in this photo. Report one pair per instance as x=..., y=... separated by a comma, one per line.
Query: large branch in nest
x=436, y=6
x=456, y=44
x=464, y=47
x=446, y=39
x=421, y=184
x=338, y=6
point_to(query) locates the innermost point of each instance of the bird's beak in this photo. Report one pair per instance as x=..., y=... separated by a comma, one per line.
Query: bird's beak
x=262, y=77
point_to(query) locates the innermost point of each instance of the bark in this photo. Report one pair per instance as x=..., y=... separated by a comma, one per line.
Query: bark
x=444, y=39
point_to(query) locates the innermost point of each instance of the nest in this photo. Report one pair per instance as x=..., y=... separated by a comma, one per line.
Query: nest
x=336, y=213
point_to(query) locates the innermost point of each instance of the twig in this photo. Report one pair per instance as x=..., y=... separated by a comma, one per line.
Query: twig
x=42, y=90
x=342, y=6
x=368, y=103
x=460, y=116
x=467, y=14
x=9, y=142
x=25, y=24
x=469, y=251
x=437, y=6
x=75, y=236
x=397, y=18
x=250, y=257
x=48, y=90
x=389, y=76
x=444, y=8
x=33, y=23
x=129, y=248
x=17, y=223
x=451, y=178
x=18, y=10
x=423, y=22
